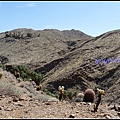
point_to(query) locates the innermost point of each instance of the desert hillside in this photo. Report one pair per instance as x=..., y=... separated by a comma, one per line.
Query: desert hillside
x=38, y=47
x=93, y=64
x=54, y=58
x=20, y=99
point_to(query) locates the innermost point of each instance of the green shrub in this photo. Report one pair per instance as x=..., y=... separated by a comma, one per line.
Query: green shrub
x=70, y=94
x=2, y=66
x=16, y=35
x=27, y=74
x=49, y=93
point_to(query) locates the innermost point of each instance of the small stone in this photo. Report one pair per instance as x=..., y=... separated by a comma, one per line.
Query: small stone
x=84, y=103
x=3, y=96
x=9, y=117
x=0, y=108
x=116, y=107
x=26, y=111
x=9, y=102
x=72, y=116
x=47, y=103
x=119, y=108
x=107, y=116
x=89, y=103
x=24, y=97
x=18, y=103
x=8, y=109
x=118, y=113
x=15, y=99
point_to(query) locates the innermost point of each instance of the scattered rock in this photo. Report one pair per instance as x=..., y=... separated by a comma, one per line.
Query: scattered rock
x=8, y=109
x=24, y=97
x=89, y=103
x=107, y=116
x=9, y=117
x=47, y=103
x=0, y=108
x=15, y=99
x=18, y=104
x=118, y=113
x=72, y=116
x=80, y=95
x=116, y=107
x=76, y=99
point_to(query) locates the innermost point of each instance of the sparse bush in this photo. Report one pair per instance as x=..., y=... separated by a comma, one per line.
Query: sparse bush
x=27, y=74
x=29, y=34
x=7, y=34
x=3, y=59
x=2, y=66
x=71, y=43
x=70, y=94
x=16, y=35
x=49, y=93
x=89, y=96
x=1, y=75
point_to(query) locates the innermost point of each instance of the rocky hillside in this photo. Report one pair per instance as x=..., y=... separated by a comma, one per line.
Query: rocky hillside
x=38, y=47
x=95, y=63
x=70, y=58
x=21, y=90
x=20, y=99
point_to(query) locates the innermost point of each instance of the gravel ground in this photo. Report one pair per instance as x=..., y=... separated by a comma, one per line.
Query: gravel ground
x=49, y=109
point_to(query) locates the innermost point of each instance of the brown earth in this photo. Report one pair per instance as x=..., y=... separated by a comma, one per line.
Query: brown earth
x=40, y=109
x=18, y=100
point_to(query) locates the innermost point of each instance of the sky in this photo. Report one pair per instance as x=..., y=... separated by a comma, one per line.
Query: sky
x=92, y=18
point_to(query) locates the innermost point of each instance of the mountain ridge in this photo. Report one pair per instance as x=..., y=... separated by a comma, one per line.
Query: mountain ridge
x=65, y=58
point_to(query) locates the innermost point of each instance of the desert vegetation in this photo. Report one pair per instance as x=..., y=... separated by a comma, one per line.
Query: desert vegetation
x=25, y=73
x=71, y=43
x=16, y=35
x=100, y=93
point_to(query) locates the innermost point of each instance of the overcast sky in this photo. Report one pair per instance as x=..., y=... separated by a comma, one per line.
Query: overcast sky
x=92, y=18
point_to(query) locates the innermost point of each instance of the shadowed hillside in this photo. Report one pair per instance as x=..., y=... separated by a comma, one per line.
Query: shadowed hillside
x=79, y=69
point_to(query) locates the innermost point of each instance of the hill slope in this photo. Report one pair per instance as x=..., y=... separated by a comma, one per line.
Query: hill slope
x=67, y=58
x=37, y=47
x=80, y=69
